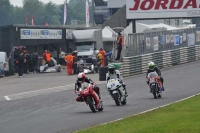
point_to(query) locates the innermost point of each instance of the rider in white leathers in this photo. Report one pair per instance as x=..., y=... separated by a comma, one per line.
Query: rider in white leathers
x=115, y=73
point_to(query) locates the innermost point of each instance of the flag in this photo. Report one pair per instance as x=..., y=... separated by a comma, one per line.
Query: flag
x=32, y=18
x=47, y=24
x=87, y=14
x=26, y=20
x=65, y=13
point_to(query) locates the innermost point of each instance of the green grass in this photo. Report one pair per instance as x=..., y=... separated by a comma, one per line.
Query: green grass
x=181, y=117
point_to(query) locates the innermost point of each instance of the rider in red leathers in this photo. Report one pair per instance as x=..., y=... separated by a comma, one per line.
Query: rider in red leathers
x=82, y=78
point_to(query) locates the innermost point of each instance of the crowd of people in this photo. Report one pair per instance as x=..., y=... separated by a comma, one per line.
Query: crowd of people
x=26, y=63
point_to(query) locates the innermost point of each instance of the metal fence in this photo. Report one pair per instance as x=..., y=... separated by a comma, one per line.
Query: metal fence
x=138, y=64
x=149, y=42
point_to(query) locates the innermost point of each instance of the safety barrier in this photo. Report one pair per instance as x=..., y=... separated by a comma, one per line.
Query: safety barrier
x=135, y=65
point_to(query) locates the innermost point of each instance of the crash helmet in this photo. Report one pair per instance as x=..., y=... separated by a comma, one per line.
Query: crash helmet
x=111, y=69
x=97, y=51
x=81, y=77
x=151, y=65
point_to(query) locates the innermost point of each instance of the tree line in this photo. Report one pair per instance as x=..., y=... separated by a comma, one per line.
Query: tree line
x=50, y=12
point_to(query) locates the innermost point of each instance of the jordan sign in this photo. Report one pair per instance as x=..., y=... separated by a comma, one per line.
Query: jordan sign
x=148, y=9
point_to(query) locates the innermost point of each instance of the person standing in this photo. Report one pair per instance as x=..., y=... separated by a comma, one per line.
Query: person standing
x=48, y=58
x=44, y=55
x=120, y=43
x=75, y=60
x=69, y=63
x=21, y=62
x=103, y=53
x=35, y=61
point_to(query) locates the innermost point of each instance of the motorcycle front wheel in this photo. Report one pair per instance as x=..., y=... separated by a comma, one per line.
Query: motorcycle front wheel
x=91, y=105
x=116, y=98
x=124, y=102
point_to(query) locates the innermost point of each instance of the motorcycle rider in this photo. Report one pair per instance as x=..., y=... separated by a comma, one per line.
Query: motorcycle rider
x=82, y=78
x=115, y=73
x=153, y=68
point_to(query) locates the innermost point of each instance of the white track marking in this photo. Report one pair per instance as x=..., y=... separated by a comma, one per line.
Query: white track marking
x=38, y=92
x=7, y=98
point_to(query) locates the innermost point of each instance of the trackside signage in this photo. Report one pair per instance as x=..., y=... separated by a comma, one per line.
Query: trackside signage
x=144, y=9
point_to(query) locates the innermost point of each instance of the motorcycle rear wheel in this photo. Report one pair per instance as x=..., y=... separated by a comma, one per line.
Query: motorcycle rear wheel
x=116, y=98
x=91, y=105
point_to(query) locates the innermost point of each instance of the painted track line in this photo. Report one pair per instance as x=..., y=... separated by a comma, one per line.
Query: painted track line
x=144, y=111
x=7, y=98
x=38, y=92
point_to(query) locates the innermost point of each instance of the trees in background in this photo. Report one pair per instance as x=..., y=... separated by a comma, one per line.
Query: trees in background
x=50, y=12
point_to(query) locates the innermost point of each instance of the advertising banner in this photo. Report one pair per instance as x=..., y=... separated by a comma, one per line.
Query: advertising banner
x=171, y=38
x=148, y=43
x=155, y=43
x=184, y=37
x=68, y=34
x=167, y=39
x=191, y=39
x=176, y=40
x=198, y=36
x=40, y=34
x=144, y=9
x=163, y=39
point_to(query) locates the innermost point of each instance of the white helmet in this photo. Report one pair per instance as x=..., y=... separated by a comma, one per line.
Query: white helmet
x=97, y=51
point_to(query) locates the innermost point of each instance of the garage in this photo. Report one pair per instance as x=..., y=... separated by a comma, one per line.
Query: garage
x=13, y=38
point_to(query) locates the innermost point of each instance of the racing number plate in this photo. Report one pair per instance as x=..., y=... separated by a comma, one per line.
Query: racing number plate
x=112, y=80
x=152, y=80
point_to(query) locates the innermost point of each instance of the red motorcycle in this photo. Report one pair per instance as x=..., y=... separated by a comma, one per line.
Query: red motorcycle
x=90, y=97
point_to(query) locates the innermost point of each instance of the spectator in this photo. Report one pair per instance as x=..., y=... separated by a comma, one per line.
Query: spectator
x=35, y=61
x=103, y=53
x=69, y=63
x=75, y=59
x=44, y=55
x=30, y=63
x=21, y=62
x=48, y=58
x=120, y=43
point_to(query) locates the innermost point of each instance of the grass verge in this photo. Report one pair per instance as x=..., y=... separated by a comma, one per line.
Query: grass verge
x=181, y=117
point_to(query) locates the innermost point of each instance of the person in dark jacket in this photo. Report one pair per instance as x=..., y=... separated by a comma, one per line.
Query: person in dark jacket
x=120, y=44
x=35, y=61
x=74, y=54
x=21, y=61
x=153, y=68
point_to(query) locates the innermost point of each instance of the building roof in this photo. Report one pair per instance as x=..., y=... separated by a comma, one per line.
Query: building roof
x=160, y=25
x=48, y=27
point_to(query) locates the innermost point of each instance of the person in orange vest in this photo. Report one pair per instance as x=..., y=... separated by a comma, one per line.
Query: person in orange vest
x=103, y=53
x=48, y=58
x=120, y=44
x=69, y=63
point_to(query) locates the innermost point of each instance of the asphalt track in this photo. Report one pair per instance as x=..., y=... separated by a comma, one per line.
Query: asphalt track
x=59, y=112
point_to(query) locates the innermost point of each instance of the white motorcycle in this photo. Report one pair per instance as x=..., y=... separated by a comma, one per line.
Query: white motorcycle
x=116, y=91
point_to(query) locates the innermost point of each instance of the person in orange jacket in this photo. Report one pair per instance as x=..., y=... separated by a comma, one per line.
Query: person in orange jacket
x=48, y=57
x=103, y=53
x=69, y=63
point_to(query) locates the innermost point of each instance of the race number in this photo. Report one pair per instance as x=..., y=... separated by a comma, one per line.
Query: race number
x=152, y=80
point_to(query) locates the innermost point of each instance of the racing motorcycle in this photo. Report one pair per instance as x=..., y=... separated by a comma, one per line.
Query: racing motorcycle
x=155, y=85
x=81, y=67
x=90, y=97
x=116, y=91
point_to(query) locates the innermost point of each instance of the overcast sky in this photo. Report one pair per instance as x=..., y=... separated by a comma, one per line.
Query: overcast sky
x=19, y=2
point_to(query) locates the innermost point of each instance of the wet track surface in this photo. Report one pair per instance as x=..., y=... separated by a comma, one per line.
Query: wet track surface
x=58, y=112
